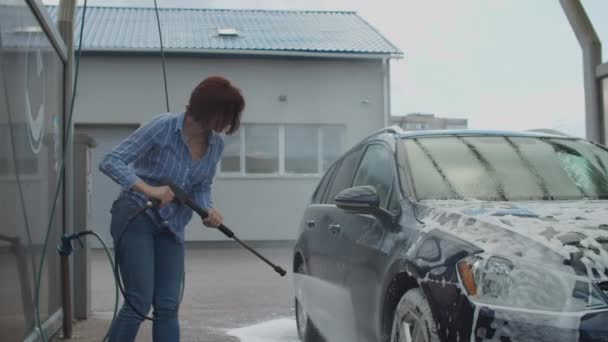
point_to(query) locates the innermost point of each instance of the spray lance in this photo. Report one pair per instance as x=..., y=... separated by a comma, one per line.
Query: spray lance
x=182, y=198
x=65, y=248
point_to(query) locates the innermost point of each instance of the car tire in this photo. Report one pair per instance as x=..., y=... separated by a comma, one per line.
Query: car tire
x=307, y=332
x=413, y=320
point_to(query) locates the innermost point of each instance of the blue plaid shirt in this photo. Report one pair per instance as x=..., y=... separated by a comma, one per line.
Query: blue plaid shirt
x=158, y=151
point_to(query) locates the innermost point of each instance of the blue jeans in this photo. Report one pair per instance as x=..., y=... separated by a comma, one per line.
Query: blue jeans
x=151, y=266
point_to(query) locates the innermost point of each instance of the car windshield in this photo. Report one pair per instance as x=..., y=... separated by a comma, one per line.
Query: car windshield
x=503, y=168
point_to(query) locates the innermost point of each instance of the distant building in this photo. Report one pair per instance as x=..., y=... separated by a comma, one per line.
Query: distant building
x=301, y=74
x=419, y=121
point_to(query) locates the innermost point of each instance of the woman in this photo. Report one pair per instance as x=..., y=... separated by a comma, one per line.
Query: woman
x=185, y=149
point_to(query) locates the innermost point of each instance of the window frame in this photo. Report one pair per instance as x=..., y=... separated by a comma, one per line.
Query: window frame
x=397, y=183
x=357, y=149
x=404, y=173
x=327, y=176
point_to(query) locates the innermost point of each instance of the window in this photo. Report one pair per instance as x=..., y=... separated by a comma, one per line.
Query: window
x=317, y=197
x=27, y=161
x=344, y=175
x=282, y=149
x=301, y=149
x=231, y=161
x=262, y=149
x=507, y=168
x=31, y=146
x=377, y=170
x=416, y=126
x=332, y=138
x=456, y=126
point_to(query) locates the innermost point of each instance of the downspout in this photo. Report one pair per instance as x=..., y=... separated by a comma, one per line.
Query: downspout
x=386, y=91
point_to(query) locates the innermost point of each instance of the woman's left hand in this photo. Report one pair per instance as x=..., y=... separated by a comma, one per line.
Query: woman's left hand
x=214, y=219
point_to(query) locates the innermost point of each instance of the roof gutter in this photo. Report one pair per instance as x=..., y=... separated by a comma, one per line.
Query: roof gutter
x=592, y=58
x=243, y=52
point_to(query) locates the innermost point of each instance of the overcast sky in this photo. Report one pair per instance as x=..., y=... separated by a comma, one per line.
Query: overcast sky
x=503, y=64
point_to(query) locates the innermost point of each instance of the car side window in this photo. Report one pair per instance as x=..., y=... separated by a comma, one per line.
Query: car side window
x=377, y=169
x=317, y=197
x=343, y=177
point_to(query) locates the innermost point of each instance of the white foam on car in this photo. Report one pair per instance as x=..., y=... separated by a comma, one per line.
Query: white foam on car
x=278, y=330
x=499, y=228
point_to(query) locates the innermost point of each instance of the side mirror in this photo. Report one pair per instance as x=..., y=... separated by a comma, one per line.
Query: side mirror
x=360, y=198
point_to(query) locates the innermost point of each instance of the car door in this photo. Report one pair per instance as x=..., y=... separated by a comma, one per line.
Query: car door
x=314, y=239
x=326, y=262
x=363, y=236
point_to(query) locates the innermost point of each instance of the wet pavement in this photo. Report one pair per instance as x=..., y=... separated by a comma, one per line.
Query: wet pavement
x=227, y=288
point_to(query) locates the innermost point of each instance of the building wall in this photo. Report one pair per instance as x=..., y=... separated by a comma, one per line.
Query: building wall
x=415, y=122
x=117, y=92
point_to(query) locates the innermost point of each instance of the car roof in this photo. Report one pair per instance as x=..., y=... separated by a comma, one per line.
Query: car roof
x=488, y=133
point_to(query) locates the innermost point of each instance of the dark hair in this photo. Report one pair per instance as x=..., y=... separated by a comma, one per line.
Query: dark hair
x=216, y=99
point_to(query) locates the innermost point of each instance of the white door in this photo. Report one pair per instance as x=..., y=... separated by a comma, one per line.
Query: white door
x=104, y=190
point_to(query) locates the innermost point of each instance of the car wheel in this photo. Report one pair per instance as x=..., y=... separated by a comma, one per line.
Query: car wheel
x=306, y=329
x=413, y=320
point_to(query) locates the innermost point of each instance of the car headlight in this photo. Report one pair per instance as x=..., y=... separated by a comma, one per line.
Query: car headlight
x=495, y=280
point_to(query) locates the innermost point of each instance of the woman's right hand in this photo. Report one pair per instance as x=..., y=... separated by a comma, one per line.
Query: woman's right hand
x=162, y=193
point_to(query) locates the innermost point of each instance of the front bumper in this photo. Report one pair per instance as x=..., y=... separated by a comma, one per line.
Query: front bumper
x=508, y=324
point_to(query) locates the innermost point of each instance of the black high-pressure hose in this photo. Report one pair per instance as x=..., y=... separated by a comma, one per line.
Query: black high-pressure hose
x=181, y=198
x=65, y=248
x=149, y=205
x=125, y=227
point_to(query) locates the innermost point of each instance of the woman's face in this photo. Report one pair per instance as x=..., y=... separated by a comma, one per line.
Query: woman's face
x=217, y=125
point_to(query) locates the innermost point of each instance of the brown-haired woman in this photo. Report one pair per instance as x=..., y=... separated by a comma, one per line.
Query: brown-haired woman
x=185, y=149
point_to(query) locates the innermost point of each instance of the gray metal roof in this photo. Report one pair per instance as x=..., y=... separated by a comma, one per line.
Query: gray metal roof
x=196, y=30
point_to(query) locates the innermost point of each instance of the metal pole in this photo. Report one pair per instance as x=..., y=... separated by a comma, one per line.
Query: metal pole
x=386, y=89
x=83, y=145
x=66, y=296
x=602, y=76
x=592, y=57
x=65, y=24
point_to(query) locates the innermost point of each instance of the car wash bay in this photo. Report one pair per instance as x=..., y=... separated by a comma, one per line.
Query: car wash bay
x=226, y=288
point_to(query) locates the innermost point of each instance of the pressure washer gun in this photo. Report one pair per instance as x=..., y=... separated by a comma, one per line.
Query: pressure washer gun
x=182, y=198
x=65, y=248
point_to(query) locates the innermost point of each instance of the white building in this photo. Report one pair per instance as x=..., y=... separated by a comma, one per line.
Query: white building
x=314, y=84
x=420, y=121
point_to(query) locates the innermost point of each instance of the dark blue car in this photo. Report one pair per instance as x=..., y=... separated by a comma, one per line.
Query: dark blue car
x=457, y=236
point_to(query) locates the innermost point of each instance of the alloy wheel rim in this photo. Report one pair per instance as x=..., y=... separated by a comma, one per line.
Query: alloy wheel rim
x=409, y=330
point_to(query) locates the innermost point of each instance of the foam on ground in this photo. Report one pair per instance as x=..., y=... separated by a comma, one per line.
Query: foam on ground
x=278, y=330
